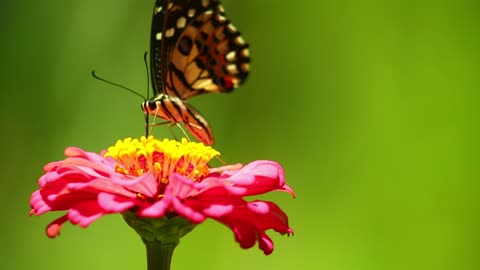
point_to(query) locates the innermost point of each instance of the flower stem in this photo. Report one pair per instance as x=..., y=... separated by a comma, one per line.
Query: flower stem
x=160, y=236
x=159, y=255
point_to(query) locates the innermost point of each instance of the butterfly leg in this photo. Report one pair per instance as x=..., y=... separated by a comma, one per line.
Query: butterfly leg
x=160, y=124
x=170, y=126
x=153, y=124
x=181, y=128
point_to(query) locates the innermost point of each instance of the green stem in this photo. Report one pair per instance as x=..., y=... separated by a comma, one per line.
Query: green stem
x=159, y=255
x=160, y=236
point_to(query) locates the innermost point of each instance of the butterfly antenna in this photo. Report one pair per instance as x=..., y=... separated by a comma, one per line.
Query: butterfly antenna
x=145, y=59
x=147, y=132
x=118, y=85
x=148, y=74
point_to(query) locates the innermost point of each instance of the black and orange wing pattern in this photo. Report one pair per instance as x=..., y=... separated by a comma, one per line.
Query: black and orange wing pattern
x=194, y=49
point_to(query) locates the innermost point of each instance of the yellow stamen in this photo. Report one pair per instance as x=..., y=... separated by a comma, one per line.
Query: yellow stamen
x=135, y=157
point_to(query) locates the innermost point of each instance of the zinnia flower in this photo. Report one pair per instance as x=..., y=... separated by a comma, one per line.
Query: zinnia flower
x=148, y=180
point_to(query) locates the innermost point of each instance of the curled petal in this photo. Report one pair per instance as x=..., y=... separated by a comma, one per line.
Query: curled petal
x=250, y=223
x=181, y=188
x=257, y=177
x=265, y=244
x=84, y=213
x=218, y=210
x=145, y=184
x=53, y=229
x=39, y=206
x=94, y=157
x=113, y=203
x=157, y=209
x=188, y=212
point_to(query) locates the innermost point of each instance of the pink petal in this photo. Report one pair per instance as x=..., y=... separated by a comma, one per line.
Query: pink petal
x=250, y=223
x=248, y=220
x=84, y=213
x=255, y=178
x=87, y=186
x=157, y=209
x=182, y=187
x=53, y=229
x=145, y=184
x=39, y=206
x=113, y=203
x=188, y=212
x=217, y=210
x=265, y=244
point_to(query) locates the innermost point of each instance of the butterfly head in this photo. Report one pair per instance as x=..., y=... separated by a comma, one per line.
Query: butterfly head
x=149, y=106
x=152, y=106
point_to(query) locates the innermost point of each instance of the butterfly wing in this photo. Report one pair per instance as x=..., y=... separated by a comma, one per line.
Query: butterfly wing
x=156, y=45
x=195, y=49
x=197, y=125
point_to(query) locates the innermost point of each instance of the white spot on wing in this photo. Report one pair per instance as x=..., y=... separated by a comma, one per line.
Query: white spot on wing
x=245, y=67
x=191, y=12
x=158, y=9
x=181, y=22
x=231, y=28
x=231, y=56
x=221, y=19
x=158, y=36
x=232, y=69
x=239, y=40
x=202, y=83
x=169, y=32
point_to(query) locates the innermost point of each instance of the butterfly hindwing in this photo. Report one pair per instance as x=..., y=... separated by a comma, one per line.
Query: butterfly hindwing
x=198, y=126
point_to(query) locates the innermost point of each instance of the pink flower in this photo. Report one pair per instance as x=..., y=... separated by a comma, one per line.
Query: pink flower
x=156, y=179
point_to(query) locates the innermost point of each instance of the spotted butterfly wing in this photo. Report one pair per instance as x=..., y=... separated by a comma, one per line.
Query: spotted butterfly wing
x=194, y=49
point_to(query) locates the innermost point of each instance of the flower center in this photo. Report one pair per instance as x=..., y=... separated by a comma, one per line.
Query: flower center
x=135, y=157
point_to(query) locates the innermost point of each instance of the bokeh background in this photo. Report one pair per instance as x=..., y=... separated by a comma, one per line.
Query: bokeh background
x=371, y=106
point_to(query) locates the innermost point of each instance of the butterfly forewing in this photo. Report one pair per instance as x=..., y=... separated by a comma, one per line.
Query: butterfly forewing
x=194, y=50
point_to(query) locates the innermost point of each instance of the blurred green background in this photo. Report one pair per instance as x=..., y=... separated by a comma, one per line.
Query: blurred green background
x=372, y=107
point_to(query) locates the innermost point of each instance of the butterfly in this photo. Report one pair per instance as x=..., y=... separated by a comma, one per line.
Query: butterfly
x=194, y=49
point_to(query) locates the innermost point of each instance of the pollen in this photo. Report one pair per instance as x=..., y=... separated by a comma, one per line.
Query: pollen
x=135, y=157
